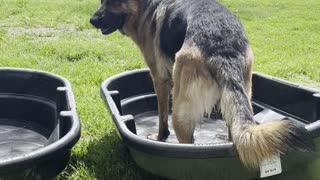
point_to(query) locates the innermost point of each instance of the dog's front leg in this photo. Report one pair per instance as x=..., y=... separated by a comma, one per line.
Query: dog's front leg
x=162, y=88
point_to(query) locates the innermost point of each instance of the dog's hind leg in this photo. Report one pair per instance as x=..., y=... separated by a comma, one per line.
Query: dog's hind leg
x=248, y=72
x=194, y=93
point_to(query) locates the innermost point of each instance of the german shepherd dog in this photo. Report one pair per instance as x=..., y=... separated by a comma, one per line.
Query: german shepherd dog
x=202, y=49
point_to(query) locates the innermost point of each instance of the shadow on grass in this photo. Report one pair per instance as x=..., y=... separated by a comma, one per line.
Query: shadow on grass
x=108, y=158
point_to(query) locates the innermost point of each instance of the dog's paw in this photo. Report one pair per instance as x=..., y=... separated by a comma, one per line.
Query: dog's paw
x=163, y=135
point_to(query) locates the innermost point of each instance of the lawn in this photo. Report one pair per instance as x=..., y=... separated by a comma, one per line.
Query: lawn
x=55, y=36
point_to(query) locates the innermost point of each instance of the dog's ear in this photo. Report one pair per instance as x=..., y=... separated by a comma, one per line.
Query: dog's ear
x=131, y=6
x=121, y=6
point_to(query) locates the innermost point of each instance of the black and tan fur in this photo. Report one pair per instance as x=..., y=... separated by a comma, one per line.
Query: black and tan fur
x=202, y=48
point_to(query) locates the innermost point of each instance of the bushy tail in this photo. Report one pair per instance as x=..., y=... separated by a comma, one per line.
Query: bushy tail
x=256, y=142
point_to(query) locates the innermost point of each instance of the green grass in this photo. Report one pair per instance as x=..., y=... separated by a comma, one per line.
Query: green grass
x=56, y=36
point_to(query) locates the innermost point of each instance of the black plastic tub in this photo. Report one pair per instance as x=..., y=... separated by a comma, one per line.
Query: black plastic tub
x=38, y=124
x=131, y=100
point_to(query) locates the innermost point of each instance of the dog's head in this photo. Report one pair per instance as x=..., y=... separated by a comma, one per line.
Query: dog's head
x=111, y=15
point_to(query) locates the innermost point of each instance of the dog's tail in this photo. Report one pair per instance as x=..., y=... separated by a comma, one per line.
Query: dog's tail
x=256, y=142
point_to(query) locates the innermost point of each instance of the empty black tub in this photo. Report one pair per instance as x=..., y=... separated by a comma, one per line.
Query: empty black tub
x=131, y=100
x=38, y=124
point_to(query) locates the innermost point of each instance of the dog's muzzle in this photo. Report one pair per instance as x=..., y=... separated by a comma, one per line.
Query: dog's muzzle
x=108, y=23
x=95, y=21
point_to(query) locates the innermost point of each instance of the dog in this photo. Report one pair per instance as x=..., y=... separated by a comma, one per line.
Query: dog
x=200, y=48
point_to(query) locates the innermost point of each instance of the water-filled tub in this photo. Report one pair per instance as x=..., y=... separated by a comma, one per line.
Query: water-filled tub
x=131, y=100
x=38, y=124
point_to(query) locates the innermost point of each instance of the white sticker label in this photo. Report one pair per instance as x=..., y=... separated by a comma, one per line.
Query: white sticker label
x=271, y=166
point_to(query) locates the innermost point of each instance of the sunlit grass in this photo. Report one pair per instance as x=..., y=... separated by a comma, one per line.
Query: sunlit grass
x=56, y=36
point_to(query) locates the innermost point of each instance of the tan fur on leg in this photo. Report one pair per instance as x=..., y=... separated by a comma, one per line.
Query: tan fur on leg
x=194, y=92
x=162, y=90
x=248, y=72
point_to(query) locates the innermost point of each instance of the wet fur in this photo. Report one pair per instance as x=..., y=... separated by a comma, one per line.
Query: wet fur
x=202, y=48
